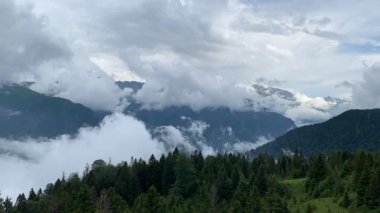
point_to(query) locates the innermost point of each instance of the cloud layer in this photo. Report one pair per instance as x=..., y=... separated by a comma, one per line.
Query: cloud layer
x=366, y=93
x=24, y=43
x=34, y=163
x=31, y=52
x=182, y=48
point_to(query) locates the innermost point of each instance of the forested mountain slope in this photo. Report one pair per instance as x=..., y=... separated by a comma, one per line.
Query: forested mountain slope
x=338, y=182
x=25, y=113
x=350, y=131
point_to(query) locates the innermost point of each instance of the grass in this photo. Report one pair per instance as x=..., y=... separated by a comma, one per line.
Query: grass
x=301, y=199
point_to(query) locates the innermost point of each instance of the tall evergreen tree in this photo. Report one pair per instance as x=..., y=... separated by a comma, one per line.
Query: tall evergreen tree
x=362, y=185
x=186, y=182
x=373, y=191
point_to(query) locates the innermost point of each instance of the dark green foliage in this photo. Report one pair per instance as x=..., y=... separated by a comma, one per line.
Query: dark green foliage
x=346, y=202
x=317, y=173
x=222, y=183
x=351, y=131
x=149, y=202
x=373, y=191
x=362, y=185
x=273, y=203
x=310, y=208
x=187, y=181
x=84, y=201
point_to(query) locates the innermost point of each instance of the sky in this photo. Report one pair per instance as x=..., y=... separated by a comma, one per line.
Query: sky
x=188, y=52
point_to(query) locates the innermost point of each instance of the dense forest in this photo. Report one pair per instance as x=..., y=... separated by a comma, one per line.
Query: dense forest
x=350, y=131
x=338, y=182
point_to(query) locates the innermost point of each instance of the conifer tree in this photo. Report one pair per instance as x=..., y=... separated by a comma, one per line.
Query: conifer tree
x=362, y=185
x=373, y=191
x=186, y=182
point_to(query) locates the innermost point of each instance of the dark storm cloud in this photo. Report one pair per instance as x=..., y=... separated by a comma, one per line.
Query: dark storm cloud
x=24, y=44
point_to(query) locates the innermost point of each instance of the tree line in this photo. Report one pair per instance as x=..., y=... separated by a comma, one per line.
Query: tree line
x=178, y=182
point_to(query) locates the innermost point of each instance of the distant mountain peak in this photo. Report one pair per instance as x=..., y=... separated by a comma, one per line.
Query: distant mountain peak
x=270, y=91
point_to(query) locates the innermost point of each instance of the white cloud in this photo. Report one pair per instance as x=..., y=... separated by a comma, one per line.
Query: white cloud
x=30, y=51
x=306, y=115
x=243, y=147
x=24, y=42
x=366, y=92
x=174, y=137
x=115, y=67
x=183, y=45
x=81, y=82
x=234, y=39
x=118, y=138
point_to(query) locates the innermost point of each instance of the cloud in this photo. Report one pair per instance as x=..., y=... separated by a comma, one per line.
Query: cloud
x=29, y=51
x=81, y=82
x=34, y=163
x=167, y=87
x=305, y=115
x=345, y=84
x=243, y=147
x=173, y=138
x=366, y=92
x=24, y=43
x=183, y=46
x=187, y=139
x=237, y=40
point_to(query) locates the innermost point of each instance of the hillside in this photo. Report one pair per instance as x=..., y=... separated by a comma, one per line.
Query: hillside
x=338, y=182
x=350, y=131
x=25, y=113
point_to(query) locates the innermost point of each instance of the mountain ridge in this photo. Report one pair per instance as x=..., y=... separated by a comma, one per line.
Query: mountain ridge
x=350, y=131
x=26, y=113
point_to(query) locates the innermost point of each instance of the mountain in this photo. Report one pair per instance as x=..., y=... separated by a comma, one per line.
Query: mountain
x=350, y=131
x=270, y=91
x=219, y=128
x=299, y=107
x=25, y=113
x=215, y=127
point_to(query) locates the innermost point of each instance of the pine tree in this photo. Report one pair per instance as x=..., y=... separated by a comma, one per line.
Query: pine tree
x=186, y=182
x=261, y=181
x=21, y=203
x=273, y=203
x=117, y=203
x=362, y=186
x=149, y=202
x=2, y=208
x=373, y=191
x=32, y=195
x=8, y=206
x=84, y=202
x=317, y=172
x=223, y=185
